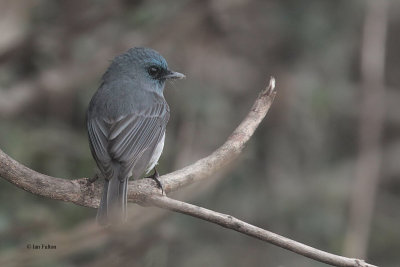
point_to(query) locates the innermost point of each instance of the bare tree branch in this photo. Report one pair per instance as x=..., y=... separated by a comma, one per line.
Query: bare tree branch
x=82, y=192
x=145, y=193
x=233, y=223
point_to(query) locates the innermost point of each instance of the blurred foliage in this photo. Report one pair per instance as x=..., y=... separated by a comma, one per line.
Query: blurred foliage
x=295, y=176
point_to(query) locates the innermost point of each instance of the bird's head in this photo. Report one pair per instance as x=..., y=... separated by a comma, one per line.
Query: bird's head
x=145, y=66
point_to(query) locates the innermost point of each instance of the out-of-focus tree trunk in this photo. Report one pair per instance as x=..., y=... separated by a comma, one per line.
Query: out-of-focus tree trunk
x=371, y=127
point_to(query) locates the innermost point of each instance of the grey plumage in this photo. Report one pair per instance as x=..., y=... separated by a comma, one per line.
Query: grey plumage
x=126, y=123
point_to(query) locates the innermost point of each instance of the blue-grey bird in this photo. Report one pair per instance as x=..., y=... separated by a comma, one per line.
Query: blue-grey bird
x=126, y=123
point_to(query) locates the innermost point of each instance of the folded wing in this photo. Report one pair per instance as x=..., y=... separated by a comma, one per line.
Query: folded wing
x=120, y=144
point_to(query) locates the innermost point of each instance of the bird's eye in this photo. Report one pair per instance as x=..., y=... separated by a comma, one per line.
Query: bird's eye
x=154, y=71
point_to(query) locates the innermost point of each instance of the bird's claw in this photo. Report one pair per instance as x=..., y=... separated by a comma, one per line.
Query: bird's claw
x=155, y=176
x=93, y=179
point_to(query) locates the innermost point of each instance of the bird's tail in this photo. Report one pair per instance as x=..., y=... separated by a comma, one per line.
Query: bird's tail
x=112, y=209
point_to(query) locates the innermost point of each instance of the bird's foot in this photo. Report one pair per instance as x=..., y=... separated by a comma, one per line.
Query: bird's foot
x=155, y=176
x=93, y=179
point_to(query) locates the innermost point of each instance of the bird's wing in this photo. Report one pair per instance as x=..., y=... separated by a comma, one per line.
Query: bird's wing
x=125, y=139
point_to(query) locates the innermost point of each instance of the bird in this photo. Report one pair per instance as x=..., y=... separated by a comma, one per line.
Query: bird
x=126, y=122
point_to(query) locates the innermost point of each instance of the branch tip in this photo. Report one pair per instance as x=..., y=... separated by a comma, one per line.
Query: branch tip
x=272, y=83
x=270, y=89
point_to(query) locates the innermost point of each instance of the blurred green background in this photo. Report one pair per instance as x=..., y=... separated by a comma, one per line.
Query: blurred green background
x=297, y=175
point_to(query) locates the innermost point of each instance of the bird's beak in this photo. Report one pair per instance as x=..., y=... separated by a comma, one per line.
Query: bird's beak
x=173, y=75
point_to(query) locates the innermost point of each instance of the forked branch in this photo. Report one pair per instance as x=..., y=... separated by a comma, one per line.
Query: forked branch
x=144, y=192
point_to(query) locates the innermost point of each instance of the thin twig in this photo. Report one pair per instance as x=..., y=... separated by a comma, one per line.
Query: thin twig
x=227, y=221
